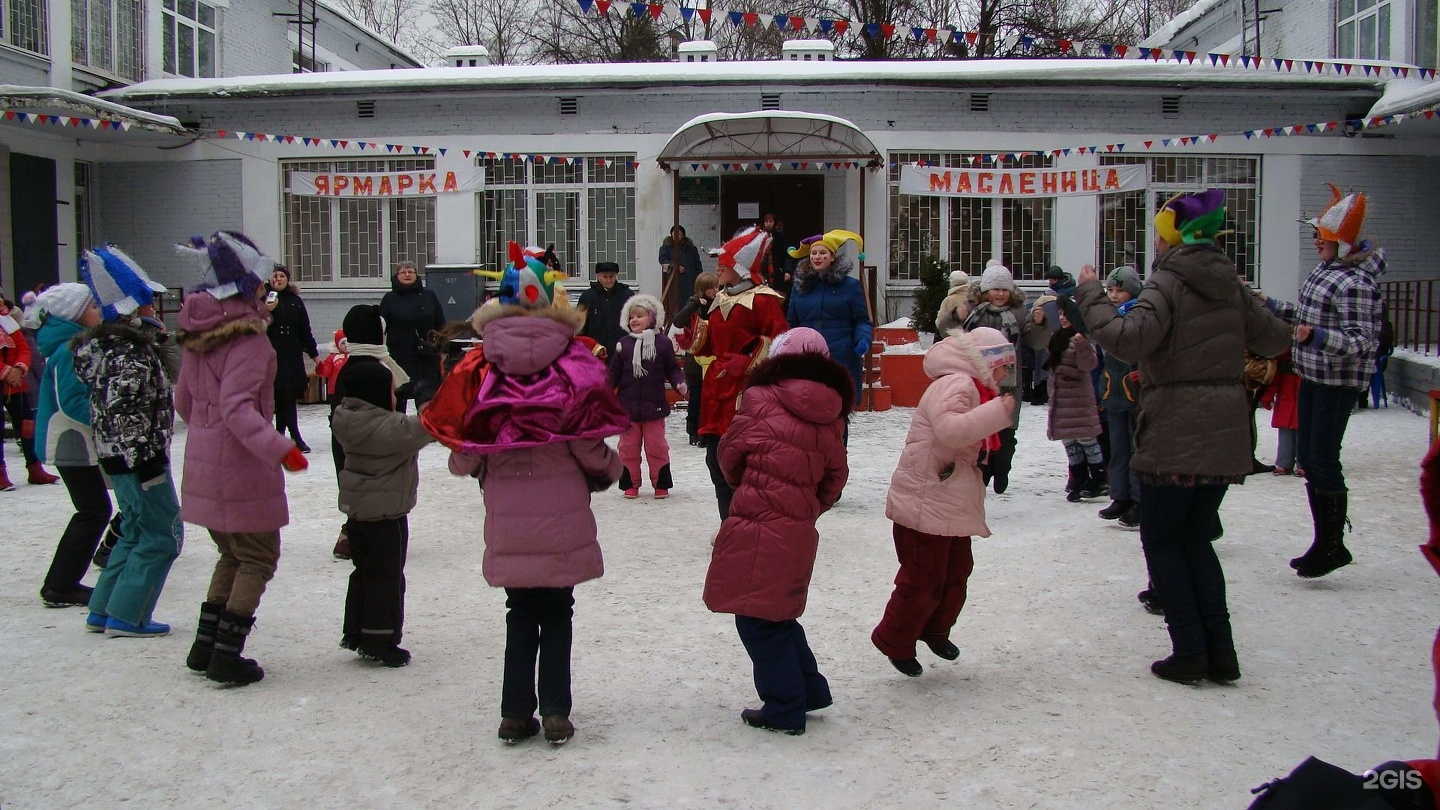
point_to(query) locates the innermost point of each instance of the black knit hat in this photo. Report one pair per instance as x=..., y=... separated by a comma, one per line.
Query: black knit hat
x=1055, y=271
x=362, y=325
x=370, y=382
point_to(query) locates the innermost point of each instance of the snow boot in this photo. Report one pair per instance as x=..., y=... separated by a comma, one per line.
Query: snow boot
x=1096, y=485
x=945, y=649
x=663, y=479
x=558, y=729
x=1115, y=509
x=5, y=484
x=79, y=596
x=1131, y=518
x=1188, y=669
x=226, y=663
x=908, y=667
x=342, y=544
x=1150, y=601
x=1316, y=542
x=755, y=718
x=1075, y=482
x=387, y=654
x=1332, y=553
x=1224, y=666
x=107, y=543
x=38, y=474
x=515, y=729
x=204, y=646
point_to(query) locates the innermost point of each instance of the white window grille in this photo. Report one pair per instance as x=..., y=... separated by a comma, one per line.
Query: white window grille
x=302, y=63
x=1362, y=29
x=189, y=39
x=1126, y=233
x=108, y=35
x=356, y=241
x=23, y=25
x=84, y=207
x=586, y=210
x=968, y=231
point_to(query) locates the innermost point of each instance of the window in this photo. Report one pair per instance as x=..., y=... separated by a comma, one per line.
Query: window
x=968, y=231
x=189, y=38
x=302, y=63
x=24, y=25
x=107, y=35
x=356, y=240
x=1427, y=37
x=586, y=210
x=1362, y=29
x=84, y=207
x=1125, y=219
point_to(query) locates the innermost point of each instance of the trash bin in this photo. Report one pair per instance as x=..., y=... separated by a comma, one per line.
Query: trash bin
x=459, y=289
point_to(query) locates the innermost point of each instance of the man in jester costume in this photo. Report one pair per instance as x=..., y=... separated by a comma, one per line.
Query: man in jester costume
x=744, y=317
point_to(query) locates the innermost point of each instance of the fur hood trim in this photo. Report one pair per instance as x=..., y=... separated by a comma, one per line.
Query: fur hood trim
x=649, y=302
x=224, y=333
x=115, y=329
x=811, y=366
x=572, y=318
x=838, y=271
x=957, y=354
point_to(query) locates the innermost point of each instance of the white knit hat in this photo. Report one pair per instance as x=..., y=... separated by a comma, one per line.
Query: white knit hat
x=958, y=278
x=67, y=301
x=996, y=277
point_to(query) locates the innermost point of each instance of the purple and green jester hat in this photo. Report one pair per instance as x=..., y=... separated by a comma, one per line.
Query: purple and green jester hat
x=1192, y=219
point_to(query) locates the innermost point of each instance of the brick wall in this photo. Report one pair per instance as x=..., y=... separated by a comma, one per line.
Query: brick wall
x=1402, y=210
x=146, y=208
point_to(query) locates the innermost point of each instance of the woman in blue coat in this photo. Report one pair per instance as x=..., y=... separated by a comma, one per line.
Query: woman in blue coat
x=829, y=300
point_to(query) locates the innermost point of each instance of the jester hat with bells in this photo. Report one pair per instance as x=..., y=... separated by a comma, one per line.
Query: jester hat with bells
x=1342, y=220
x=527, y=282
x=747, y=253
x=833, y=240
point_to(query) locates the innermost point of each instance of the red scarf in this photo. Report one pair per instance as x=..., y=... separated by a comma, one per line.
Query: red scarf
x=992, y=442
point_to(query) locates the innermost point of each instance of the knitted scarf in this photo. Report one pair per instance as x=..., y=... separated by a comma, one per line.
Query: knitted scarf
x=992, y=442
x=644, y=350
x=383, y=355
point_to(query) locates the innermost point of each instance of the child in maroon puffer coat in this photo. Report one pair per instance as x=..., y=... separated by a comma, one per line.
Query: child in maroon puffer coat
x=784, y=454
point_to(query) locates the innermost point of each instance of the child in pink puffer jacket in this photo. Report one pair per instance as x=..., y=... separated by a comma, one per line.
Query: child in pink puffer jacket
x=937, y=494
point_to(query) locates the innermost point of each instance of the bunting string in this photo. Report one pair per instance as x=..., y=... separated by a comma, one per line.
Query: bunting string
x=1351, y=125
x=787, y=23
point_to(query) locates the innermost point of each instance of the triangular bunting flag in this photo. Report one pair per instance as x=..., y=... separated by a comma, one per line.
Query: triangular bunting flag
x=841, y=26
x=826, y=25
x=466, y=153
x=1148, y=144
x=781, y=21
x=705, y=15
x=887, y=30
x=1107, y=50
x=1122, y=50
x=1064, y=45
x=872, y=30
x=971, y=36
x=603, y=6
x=585, y=6
x=657, y=11
x=637, y=10
x=798, y=24
x=686, y=12
x=751, y=18
x=918, y=34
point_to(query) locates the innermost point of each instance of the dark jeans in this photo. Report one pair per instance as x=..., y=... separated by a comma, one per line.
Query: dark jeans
x=786, y=675
x=1324, y=413
x=538, y=623
x=694, y=379
x=82, y=535
x=17, y=405
x=1177, y=525
x=287, y=416
x=723, y=491
x=1123, y=484
x=375, y=601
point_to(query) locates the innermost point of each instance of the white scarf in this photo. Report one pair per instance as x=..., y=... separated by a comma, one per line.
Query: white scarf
x=644, y=350
x=383, y=355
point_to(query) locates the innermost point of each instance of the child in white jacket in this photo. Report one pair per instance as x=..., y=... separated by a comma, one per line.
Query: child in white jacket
x=937, y=493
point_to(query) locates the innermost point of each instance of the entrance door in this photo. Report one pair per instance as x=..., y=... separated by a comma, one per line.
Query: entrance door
x=33, y=223
x=796, y=200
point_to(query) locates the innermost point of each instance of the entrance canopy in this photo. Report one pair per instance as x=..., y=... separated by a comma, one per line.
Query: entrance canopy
x=73, y=116
x=769, y=136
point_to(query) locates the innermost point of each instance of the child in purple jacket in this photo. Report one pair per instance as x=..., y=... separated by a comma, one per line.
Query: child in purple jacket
x=641, y=363
x=534, y=438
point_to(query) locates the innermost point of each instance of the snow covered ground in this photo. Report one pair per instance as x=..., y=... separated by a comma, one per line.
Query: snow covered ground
x=1050, y=705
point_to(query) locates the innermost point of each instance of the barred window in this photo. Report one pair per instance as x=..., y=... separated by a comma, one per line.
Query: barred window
x=353, y=240
x=84, y=205
x=585, y=209
x=968, y=231
x=189, y=38
x=23, y=24
x=108, y=35
x=1125, y=230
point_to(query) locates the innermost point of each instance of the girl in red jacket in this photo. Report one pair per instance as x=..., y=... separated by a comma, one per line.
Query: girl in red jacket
x=784, y=454
x=15, y=364
x=1282, y=395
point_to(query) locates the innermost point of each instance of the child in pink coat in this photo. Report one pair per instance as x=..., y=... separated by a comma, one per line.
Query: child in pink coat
x=784, y=454
x=937, y=494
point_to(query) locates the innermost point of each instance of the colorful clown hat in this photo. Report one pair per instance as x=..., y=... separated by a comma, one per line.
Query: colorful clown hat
x=118, y=283
x=230, y=263
x=1191, y=218
x=527, y=282
x=833, y=240
x=1342, y=221
x=748, y=253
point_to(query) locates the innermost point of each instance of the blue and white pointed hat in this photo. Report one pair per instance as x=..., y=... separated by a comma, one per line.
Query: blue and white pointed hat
x=230, y=264
x=119, y=284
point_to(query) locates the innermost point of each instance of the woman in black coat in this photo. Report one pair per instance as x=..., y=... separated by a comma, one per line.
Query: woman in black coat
x=411, y=313
x=290, y=335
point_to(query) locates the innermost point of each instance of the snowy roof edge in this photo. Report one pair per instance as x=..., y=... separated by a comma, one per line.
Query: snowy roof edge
x=12, y=95
x=1165, y=33
x=345, y=16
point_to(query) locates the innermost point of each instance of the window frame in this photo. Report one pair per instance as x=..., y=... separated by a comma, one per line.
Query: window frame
x=517, y=191
x=172, y=18
x=85, y=20
x=1352, y=22
x=1003, y=238
x=386, y=218
x=36, y=30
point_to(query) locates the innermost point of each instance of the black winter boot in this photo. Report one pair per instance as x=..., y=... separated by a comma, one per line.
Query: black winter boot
x=1115, y=509
x=1315, y=543
x=226, y=663
x=107, y=543
x=204, y=646
x=1075, y=482
x=1183, y=668
x=1096, y=485
x=1224, y=666
x=1332, y=553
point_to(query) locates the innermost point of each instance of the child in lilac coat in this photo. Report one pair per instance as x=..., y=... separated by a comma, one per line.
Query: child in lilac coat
x=641, y=363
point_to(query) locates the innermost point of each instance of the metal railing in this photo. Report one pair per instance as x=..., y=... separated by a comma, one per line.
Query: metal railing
x=1414, y=308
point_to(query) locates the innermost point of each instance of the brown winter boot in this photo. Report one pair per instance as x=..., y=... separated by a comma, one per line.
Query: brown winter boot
x=5, y=483
x=38, y=474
